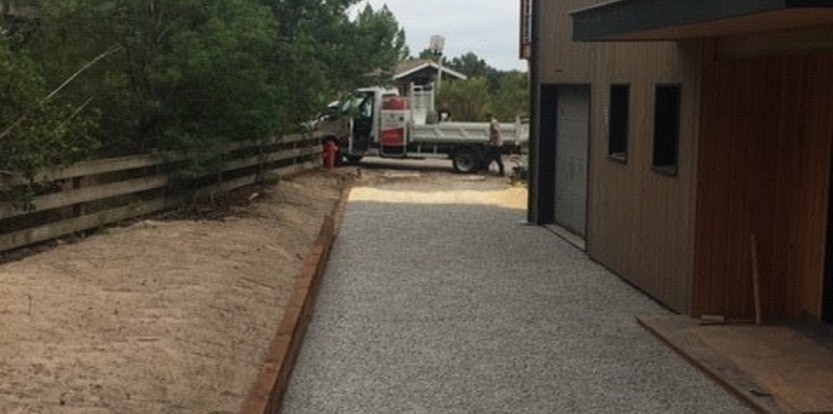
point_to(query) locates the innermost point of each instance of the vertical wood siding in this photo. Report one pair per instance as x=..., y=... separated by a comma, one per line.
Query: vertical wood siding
x=640, y=222
x=763, y=169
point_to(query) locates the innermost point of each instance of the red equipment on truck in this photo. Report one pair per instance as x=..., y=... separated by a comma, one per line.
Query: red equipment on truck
x=394, y=122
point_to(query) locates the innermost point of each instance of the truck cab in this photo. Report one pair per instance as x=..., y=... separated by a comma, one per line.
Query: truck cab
x=353, y=123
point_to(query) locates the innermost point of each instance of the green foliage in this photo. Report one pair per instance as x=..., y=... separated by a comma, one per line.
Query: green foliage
x=188, y=68
x=324, y=54
x=505, y=94
x=472, y=99
x=471, y=65
x=378, y=41
x=468, y=100
x=430, y=54
x=511, y=99
x=140, y=76
x=36, y=132
x=188, y=75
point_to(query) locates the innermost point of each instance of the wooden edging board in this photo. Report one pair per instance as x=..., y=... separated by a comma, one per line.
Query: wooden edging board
x=673, y=331
x=266, y=395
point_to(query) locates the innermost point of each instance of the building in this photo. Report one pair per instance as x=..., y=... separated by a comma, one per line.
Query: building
x=423, y=73
x=689, y=145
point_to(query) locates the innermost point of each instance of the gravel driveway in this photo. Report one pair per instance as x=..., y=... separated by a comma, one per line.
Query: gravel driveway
x=434, y=306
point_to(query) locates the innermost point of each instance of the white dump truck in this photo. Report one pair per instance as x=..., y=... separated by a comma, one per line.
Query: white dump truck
x=378, y=121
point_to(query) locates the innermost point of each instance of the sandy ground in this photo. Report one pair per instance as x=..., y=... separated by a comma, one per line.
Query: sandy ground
x=175, y=316
x=160, y=316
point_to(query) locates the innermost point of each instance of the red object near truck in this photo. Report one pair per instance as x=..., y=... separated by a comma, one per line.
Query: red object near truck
x=329, y=154
x=394, y=113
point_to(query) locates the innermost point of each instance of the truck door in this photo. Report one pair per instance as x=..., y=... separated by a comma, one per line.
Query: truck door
x=362, y=131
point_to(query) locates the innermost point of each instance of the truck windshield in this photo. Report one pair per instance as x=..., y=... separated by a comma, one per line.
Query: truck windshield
x=360, y=104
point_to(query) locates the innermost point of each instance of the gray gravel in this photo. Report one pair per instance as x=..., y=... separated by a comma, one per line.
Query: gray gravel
x=461, y=309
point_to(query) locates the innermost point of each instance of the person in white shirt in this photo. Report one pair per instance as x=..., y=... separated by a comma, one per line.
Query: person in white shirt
x=493, y=150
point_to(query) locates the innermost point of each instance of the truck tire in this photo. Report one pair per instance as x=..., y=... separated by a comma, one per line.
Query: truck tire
x=466, y=160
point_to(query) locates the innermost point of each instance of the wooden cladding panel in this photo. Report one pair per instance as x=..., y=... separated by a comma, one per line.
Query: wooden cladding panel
x=640, y=222
x=763, y=170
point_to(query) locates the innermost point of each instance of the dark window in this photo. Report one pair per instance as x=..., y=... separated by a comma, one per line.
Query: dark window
x=666, y=127
x=617, y=139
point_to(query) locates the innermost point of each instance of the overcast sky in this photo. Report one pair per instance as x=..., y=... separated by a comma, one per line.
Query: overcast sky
x=489, y=28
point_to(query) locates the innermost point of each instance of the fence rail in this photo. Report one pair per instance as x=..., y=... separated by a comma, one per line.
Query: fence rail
x=96, y=193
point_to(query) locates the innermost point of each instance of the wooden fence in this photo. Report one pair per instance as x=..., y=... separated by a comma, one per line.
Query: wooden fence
x=92, y=194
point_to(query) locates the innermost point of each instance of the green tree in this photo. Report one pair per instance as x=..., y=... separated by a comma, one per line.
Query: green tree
x=188, y=67
x=321, y=53
x=472, y=99
x=38, y=129
x=378, y=42
x=194, y=74
x=432, y=55
x=511, y=99
x=471, y=65
x=468, y=100
x=310, y=40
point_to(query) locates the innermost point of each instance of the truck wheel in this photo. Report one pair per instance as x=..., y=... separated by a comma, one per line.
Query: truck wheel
x=466, y=160
x=353, y=159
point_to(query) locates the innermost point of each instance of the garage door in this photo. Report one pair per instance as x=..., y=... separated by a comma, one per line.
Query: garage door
x=572, y=137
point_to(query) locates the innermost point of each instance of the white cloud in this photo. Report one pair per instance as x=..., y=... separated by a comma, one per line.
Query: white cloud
x=489, y=28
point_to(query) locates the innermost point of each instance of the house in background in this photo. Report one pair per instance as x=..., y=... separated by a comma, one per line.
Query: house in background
x=423, y=73
x=689, y=145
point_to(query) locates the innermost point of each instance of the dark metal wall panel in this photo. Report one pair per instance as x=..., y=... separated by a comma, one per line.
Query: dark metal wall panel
x=542, y=158
x=634, y=16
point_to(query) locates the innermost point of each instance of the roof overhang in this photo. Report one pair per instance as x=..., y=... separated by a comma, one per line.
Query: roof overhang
x=428, y=65
x=653, y=20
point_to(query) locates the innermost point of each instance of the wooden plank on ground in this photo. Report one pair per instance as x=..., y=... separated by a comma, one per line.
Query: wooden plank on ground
x=796, y=369
x=676, y=331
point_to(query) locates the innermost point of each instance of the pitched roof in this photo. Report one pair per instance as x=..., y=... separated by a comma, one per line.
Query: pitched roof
x=412, y=66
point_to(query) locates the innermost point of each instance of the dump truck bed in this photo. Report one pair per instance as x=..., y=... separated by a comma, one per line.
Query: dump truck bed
x=466, y=133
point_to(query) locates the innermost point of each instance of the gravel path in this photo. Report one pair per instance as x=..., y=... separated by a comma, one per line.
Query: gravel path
x=452, y=308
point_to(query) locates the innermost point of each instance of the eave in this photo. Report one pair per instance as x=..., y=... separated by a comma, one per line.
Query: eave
x=654, y=20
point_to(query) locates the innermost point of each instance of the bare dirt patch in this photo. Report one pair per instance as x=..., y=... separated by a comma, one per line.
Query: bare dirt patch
x=160, y=316
x=432, y=182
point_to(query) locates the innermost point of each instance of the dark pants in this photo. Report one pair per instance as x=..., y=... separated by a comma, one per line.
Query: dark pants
x=493, y=154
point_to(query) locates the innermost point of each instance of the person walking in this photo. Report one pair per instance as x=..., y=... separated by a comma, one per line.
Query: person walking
x=493, y=149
